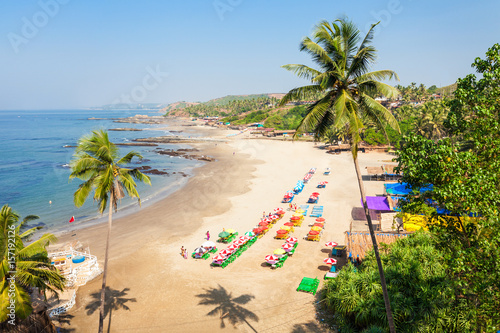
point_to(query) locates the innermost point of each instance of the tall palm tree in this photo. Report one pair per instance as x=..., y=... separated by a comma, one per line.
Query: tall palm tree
x=97, y=162
x=347, y=89
x=23, y=267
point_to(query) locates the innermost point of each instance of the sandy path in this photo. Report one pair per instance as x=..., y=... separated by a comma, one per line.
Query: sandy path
x=162, y=290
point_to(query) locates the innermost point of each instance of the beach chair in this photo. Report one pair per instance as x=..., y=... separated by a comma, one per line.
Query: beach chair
x=317, y=211
x=308, y=285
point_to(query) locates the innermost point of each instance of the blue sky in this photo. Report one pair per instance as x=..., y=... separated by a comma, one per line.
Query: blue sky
x=74, y=54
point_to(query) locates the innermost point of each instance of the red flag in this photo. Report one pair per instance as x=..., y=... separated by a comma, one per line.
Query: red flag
x=72, y=219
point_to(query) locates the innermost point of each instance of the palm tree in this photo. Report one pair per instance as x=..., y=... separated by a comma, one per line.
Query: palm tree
x=23, y=267
x=96, y=161
x=347, y=90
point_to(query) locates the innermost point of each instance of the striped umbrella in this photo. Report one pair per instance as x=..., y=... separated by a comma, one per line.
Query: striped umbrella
x=292, y=240
x=271, y=257
x=267, y=219
x=332, y=244
x=330, y=261
x=219, y=257
x=276, y=210
x=287, y=246
x=226, y=252
x=250, y=233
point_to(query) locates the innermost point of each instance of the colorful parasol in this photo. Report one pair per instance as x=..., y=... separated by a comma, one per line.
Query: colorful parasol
x=330, y=261
x=332, y=244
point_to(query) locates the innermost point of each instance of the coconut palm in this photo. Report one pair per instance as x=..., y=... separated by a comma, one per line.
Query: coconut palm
x=23, y=267
x=97, y=162
x=347, y=89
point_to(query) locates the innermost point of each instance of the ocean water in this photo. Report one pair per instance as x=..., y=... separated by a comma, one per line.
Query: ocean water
x=34, y=168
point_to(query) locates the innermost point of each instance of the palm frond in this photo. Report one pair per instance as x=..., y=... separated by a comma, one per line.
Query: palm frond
x=127, y=158
x=299, y=93
x=314, y=118
x=302, y=71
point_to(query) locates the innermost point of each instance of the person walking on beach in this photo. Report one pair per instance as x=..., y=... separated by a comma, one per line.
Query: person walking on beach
x=263, y=214
x=208, y=235
x=182, y=251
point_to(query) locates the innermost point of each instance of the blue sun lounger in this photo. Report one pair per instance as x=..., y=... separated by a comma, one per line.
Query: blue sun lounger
x=317, y=211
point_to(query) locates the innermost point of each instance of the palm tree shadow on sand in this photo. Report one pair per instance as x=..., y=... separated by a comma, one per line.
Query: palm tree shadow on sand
x=227, y=307
x=309, y=327
x=115, y=300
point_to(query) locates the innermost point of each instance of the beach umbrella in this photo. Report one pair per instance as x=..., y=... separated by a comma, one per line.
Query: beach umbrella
x=240, y=242
x=250, y=234
x=292, y=240
x=317, y=228
x=279, y=251
x=274, y=217
x=300, y=210
x=313, y=232
x=289, y=224
x=199, y=250
x=257, y=230
x=330, y=261
x=232, y=246
x=295, y=218
x=271, y=258
x=320, y=219
x=244, y=238
x=317, y=224
x=264, y=227
x=231, y=231
x=263, y=223
x=285, y=228
x=208, y=244
x=287, y=246
x=224, y=234
x=298, y=214
x=267, y=219
x=315, y=194
x=332, y=244
x=278, y=209
x=219, y=257
x=282, y=232
x=226, y=252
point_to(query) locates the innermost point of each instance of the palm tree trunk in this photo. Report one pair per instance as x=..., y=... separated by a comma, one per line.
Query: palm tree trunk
x=388, y=311
x=105, y=270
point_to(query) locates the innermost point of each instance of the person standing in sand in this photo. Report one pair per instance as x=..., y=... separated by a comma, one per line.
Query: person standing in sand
x=208, y=235
x=182, y=251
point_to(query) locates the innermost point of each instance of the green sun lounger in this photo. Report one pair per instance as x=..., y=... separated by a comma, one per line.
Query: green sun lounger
x=309, y=285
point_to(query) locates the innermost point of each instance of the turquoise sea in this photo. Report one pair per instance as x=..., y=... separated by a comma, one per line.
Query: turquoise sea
x=34, y=168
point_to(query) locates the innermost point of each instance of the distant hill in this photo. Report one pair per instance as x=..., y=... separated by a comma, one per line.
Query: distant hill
x=230, y=98
x=447, y=90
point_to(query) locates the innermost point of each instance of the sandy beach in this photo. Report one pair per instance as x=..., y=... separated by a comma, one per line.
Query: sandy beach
x=156, y=290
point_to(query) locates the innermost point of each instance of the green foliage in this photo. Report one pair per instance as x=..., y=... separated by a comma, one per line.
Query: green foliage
x=346, y=86
x=27, y=266
x=465, y=171
x=419, y=290
x=97, y=163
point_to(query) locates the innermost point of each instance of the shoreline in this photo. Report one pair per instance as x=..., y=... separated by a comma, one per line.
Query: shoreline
x=145, y=265
x=159, y=195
